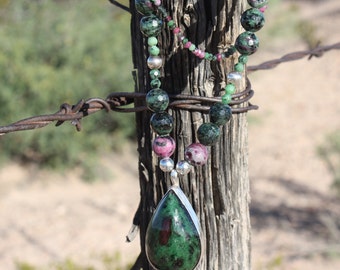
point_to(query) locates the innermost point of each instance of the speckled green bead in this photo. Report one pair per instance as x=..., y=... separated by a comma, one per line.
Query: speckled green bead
x=257, y=3
x=172, y=237
x=208, y=133
x=157, y=100
x=144, y=7
x=239, y=67
x=154, y=74
x=252, y=20
x=230, y=89
x=243, y=59
x=226, y=98
x=154, y=50
x=247, y=43
x=155, y=83
x=150, y=25
x=220, y=113
x=161, y=123
x=152, y=41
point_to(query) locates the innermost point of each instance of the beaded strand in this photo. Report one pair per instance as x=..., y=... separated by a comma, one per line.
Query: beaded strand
x=157, y=100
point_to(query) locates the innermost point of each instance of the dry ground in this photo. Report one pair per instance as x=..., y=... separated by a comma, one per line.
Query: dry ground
x=46, y=217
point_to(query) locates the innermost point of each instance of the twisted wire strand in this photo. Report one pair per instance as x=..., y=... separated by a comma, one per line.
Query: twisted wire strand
x=316, y=52
x=117, y=101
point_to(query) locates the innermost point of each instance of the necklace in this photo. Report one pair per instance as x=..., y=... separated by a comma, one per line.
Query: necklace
x=173, y=239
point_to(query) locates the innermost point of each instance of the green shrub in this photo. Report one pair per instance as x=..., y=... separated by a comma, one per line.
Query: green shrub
x=52, y=52
x=330, y=154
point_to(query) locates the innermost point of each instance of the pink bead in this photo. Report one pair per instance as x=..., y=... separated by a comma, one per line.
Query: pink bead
x=187, y=45
x=219, y=57
x=202, y=55
x=164, y=146
x=196, y=154
x=197, y=52
x=263, y=9
x=168, y=18
x=176, y=30
x=157, y=3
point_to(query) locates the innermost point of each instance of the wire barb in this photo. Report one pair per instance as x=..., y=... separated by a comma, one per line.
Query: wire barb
x=115, y=101
x=316, y=52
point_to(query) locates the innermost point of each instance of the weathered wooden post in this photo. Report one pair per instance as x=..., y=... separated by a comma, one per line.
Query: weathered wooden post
x=219, y=190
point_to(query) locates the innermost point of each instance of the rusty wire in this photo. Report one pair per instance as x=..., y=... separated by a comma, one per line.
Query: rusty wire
x=116, y=101
x=316, y=52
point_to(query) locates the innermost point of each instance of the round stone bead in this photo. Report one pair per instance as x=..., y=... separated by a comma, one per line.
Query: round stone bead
x=166, y=164
x=220, y=113
x=226, y=99
x=257, y=3
x=154, y=50
x=154, y=62
x=150, y=25
x=161, y=123
x=183, y=167
x=152, y=41
x=230, y=89
x=196, y=154
x=243, y=59
x=154, y=74
x=247, y=43
x=144, y=7
x=208, y=133
x=164, y=146
x=252, y=20
x=157, y=100
x=155, y=83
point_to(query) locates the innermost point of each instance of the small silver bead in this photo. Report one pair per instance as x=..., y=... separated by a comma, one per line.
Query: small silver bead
x=166, y=164
x=234, y=77
x=174, y=177
x=154, y=62
x=183, y=167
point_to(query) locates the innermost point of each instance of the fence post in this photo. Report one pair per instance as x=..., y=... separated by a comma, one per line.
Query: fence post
x=218, y=191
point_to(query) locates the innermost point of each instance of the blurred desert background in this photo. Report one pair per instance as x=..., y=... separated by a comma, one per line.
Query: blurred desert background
x=54, y=219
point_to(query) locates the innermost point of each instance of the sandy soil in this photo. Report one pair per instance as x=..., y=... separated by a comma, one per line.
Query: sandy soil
x=47, y=217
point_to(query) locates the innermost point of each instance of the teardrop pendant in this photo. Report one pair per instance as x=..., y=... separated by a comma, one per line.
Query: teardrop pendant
x=173, y=236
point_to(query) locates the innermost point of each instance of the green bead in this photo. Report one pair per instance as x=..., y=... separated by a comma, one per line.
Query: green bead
x=150, y=25
x=173, y=236
x=157, y=100
x=230, y=89
x=220, y=113
x=161, y=123
x=185, y=40
x=192, y=47
x=155, y=83
x=243, y=59
x=252, y=20
x=171, y=24
x=154, y=74
x=144, y=7
x=257, y=3
x=152, y=41
x=247, y=43
x=154, y=50
x=226, y=98
x=208, y=133
x=239, y=67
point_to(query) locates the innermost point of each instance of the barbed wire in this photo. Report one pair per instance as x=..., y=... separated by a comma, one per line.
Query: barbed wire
x=315, y=52
x=116, y=101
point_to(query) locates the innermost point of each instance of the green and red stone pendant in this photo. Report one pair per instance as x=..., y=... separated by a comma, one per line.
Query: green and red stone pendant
x=173, y=236
x=173, y=239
